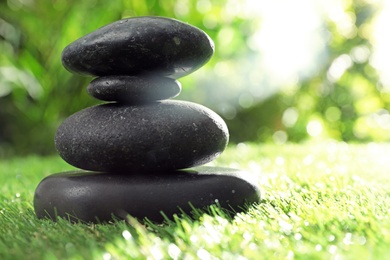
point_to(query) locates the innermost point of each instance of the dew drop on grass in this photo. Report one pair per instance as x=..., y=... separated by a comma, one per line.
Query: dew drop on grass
x=254, y=166
x=285, y=227
x=126, y=234
x=279, y=161
x=290, y=255
x=156, y=252
x=174, y=251
x=318, y=247
x=332, y=249
x=308, y=159
x=298, y=236
x=362, y=240
x=356, y=178
x=106, y=256
x=203, y=254
x=247, y=236
x=193, y=238
x=348, y=239
x=252, y=246
x=272, y=243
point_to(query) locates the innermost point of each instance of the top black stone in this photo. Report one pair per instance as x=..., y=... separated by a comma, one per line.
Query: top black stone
x=139, y=45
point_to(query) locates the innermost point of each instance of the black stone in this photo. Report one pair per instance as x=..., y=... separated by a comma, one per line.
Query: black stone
x=163, y=135
x=97, y=197
x=137, y=45
x=133, y=89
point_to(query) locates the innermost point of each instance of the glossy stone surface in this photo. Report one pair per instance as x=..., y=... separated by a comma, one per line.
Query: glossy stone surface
x=96, y=197
x=133, y=89
x=162, y=135
x=140, y=45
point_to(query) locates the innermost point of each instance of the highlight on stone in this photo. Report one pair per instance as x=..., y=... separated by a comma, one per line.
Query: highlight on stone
x=141, y=154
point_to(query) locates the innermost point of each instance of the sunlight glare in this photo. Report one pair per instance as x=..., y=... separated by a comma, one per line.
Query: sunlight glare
x=287, y=43
x=381, y=42
x=286, y=40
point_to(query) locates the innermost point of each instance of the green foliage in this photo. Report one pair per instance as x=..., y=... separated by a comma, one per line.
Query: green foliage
x=318, y=201
x=37, y=93
x=341, y=102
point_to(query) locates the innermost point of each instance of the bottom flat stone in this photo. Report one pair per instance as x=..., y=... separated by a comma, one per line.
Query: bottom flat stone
x=97, y=197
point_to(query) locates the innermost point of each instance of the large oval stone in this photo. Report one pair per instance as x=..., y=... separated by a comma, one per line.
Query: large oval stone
x=98, y=197
x=162, y=135
x=133, y=89
x=140, y=45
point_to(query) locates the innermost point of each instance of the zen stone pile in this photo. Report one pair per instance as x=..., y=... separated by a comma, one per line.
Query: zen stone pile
x=140, y=153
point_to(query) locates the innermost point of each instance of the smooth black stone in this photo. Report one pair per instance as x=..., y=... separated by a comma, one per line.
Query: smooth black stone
x=133, y=89
x=137, y=45
x=97, y=197
x=169, y=134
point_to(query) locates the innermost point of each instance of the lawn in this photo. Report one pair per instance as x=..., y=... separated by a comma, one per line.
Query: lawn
x=319, y=201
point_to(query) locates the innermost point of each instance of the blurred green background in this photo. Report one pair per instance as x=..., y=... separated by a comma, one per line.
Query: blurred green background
x=283, y=71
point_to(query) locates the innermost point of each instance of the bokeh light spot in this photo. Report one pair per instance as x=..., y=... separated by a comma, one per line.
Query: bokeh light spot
x=314, y=128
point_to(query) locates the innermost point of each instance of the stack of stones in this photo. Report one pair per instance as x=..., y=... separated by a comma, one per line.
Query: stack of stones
x=137, y=150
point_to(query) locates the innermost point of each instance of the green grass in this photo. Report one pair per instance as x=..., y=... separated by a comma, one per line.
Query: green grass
x=320, y=201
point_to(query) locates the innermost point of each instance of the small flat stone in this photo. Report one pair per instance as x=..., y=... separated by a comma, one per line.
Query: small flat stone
x=140, y=45
x=97, y=197
x=133, y=89
x=113, y=137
